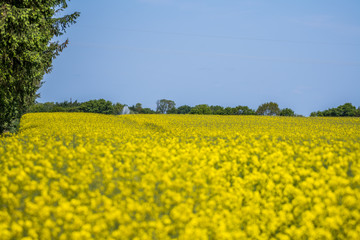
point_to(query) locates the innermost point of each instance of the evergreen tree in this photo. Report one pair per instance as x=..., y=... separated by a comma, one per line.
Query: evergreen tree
x=26, y=51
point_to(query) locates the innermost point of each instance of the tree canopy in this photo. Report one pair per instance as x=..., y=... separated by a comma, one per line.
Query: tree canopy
x=97, y=106
x=201, y=109
x=27, y=50
x=244, y=110
x=268, y=109
x=287, y=112
x=345, y=110
x=184, y=109
x=165, y=106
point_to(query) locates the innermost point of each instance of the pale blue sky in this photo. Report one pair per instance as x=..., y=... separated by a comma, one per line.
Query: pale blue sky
x=304, y=55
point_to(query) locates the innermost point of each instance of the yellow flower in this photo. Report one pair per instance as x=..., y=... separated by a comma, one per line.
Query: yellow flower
x=92, y=176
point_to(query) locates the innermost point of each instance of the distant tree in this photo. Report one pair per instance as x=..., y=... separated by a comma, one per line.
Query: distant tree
x=217, y=110
x=97, y=106
x=42, y=107
x=69, y=104
x=172, y=111
x=317, y=114
x=346, y=110
x=244, y=110
x=201, y=109
x=117, y=108
x=268, y=109
x=357, y=114
x=27, y=29
x=138, y=107
x=185, y=109
x=313, y=114
x=287, y=112
x=147, y=111
x=164, y=105
x=230, y=111
x=55, y=107
x=132, y=109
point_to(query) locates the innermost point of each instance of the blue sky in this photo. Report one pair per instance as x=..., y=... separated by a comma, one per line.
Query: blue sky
x=304, y=55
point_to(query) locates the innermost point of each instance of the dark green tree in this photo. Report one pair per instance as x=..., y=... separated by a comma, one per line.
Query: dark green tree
x=287, y=112
x=172, y=111
x=97, y=106
x=357, y=113
x=201, y=109
x=268, y=109
x=117, y=108
x=147, y=111
x=67, y=106
x=314, y=114
x=217, y=110
x=244, y=110
x=346, y=110
x=27, y=50
x=137, y=108
x=42, y=107
x=185, y=109
x=164, y=106
x=230, y=111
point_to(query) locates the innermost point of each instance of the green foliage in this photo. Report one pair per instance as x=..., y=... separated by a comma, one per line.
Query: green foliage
x=137, y=108
x=55, y=107
x=346, y=110
x=42, y=107
x=217, y=110
x=201, y=109
x=172, y=111
x=97, y=106
x=165, y=106
x=94, y=106
x=244, y=110
x=184, y=109
x=287, y=112
x=268, y=109
x=15, y=125
x=68, y=105
x=314, y=114
x=357, y=113
x=229, y=111
x=26, y=51
x=117, y=108
x=147, y=111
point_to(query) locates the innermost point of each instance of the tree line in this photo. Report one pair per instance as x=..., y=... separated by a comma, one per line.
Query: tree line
x=165, y=106
x=269, y=108
x=346, y=110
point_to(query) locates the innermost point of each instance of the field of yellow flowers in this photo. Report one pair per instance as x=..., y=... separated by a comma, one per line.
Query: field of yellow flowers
x=92, y=176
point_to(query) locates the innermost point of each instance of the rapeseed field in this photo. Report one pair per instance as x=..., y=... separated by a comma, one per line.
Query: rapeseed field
x=90, y=176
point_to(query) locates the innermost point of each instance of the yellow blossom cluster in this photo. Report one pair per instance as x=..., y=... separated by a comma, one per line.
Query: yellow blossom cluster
x=92, y=176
